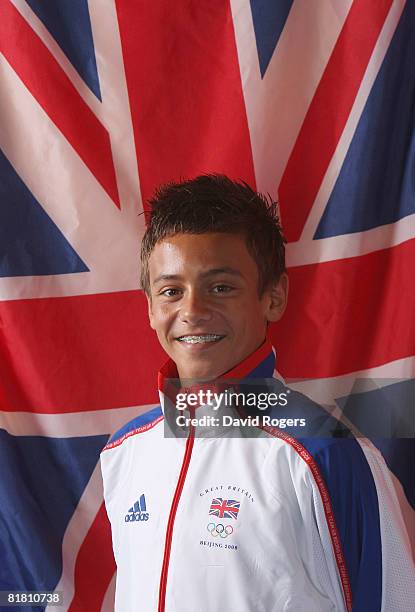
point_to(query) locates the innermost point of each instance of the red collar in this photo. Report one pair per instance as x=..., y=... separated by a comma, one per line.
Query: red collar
x=241, y=370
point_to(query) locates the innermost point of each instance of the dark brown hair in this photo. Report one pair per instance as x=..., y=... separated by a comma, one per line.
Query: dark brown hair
x=214, y=203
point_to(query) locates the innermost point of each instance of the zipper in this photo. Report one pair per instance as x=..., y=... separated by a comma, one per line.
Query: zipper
x=172, y=516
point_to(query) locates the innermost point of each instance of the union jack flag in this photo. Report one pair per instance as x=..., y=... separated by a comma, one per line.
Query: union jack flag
x=224, y=508
x=101, y=101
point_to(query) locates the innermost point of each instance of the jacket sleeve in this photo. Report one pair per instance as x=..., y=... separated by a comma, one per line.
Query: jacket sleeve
x=371, y=533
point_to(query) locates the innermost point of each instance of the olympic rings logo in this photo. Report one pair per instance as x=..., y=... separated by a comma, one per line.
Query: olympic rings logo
x=223, y=531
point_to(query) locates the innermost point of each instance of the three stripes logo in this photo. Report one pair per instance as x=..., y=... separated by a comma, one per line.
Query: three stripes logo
x=138, y=512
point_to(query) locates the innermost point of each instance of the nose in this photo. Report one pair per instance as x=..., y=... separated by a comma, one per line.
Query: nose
x=194, y=308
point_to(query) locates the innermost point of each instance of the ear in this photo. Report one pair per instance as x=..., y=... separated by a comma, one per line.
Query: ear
x=277, y=302
x=150, y=310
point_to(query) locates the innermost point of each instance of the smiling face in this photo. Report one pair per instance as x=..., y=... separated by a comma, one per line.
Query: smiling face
x=204, y=303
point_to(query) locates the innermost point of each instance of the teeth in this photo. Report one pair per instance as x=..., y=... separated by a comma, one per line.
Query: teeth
x=200, y=339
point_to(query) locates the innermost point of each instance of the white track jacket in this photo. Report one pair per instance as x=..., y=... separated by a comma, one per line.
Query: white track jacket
x=264, y=524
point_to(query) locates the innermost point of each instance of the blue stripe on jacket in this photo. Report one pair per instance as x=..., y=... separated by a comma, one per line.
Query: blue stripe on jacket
x=354, y=500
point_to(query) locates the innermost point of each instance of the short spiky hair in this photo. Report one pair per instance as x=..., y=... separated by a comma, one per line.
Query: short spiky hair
x=214, y=203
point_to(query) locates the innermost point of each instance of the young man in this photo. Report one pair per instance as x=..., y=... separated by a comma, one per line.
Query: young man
x=262, y=523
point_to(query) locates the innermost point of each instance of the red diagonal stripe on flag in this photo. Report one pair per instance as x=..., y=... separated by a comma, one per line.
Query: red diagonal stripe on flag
x=94, y=567
x=358, y=313
x=47, y=82
x=328, y=113
x=196, y=122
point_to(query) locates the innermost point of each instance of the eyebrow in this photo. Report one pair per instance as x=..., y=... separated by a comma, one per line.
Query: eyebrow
x=207, y=274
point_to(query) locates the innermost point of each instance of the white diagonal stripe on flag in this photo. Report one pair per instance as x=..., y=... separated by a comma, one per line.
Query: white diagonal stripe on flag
x=309, y=26
x=336, y=163
x=68, y=425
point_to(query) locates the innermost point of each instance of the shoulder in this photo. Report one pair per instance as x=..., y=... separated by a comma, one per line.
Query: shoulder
x=343, y=465
x=140, y=424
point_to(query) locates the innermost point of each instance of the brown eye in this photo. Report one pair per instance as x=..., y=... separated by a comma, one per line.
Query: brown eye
x=222, y=288
x=170, y=292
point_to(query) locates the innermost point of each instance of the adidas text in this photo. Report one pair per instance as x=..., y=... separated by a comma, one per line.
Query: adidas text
x=136, y=516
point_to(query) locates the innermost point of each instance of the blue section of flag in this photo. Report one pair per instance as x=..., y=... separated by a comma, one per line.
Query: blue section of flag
x=269, y=19
x=376, y=184
x=69, y=23
x=36, y=506
x=30, y=243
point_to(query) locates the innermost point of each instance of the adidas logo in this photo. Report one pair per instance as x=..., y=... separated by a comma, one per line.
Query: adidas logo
x=138, y=512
